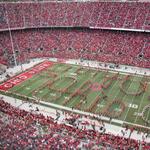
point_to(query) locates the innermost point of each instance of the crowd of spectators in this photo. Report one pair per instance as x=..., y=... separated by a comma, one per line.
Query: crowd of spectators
x=128, y=48
x=135, y=15
x=30, y=130
x=20, y=129
x=106, y=46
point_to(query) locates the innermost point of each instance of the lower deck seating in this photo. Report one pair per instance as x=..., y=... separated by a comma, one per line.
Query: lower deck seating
x=25, y=130
x=129, y=48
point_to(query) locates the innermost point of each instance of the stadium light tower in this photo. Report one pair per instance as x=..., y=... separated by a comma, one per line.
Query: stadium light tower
x=11, y=40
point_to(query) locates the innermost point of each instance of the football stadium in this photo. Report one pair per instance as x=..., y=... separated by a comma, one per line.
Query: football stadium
x=75, y=75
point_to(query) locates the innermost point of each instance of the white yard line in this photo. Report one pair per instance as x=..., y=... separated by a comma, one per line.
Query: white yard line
x=129, y=107
x=114, y=99
x=148, y=115
x=148, y=118
x=116, y=92
x=131, y=103
x=111, y=87
x=142, y=100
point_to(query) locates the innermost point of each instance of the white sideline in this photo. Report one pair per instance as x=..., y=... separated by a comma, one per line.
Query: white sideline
x=123, y=69
x=48, y=111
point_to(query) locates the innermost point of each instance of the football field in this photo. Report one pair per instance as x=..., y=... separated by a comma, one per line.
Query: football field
x=114, y=95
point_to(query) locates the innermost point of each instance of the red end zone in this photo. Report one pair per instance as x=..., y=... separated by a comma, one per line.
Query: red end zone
x=24, y=76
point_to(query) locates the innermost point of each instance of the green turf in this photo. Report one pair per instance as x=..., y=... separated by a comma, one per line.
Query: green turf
x=133, y=104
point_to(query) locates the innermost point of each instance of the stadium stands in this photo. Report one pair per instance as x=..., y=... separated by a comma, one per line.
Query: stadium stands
x=117, y=47
x=29, y=130
x=70, y=30
x=106, y=46
x=118, y=15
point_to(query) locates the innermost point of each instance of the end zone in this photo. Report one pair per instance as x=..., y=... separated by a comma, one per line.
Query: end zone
x=24, y=76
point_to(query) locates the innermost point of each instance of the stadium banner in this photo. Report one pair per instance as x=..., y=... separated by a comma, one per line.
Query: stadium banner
x=24, y=76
